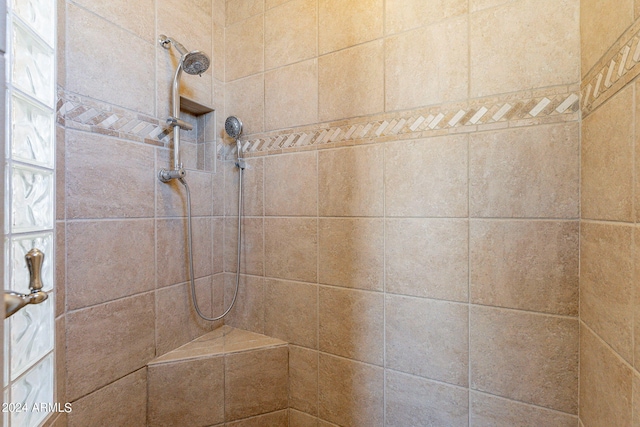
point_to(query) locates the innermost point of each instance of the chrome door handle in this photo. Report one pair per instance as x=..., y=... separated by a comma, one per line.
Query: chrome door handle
x=14, y=301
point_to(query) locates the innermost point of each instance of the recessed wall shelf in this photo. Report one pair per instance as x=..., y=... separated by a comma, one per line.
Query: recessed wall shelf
x=193, y=107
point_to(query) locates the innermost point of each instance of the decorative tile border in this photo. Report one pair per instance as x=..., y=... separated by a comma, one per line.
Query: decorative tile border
x=617, y=67
x=521, y=109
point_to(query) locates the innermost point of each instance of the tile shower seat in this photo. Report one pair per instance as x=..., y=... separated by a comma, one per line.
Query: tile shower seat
x=226, y=375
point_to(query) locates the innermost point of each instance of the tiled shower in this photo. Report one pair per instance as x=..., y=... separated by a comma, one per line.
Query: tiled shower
x=439, y=217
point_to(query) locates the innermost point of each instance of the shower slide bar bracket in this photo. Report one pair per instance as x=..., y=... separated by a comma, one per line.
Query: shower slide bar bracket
x=14, y=301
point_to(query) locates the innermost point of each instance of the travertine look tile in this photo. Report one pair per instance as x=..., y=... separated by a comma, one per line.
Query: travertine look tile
x=137, y=17
x=175, y=387
x=300, y=419
x=248, y=310
x=607, y=281
x=344, y=24
x=217, y=253
x=635, y=403
x=89, y=64
x=217, y=58
x=291, y=184
x=99, y=168
x=351, y=324
x=427, y=337
x=171, y=197
x=476, y=5
x=291, y=95
x=237, y=10
x=291, y=312
x=292, y=245
x=303, y=379
x=409, y=72
x=601, y=23
x=245, y=99
x=490, y=411
x=607, y=160
x=108, y=341
x=61, y=359
x=528, y=357
x=427, y=258
x=351, y=82
x=61, y=171
x=350, y=181
x=427, y=177
x=244, y=46
x=401, y=15
x=290, y=33
x=525, y=172
x=350, y=393
x=605, y=384
x=256, y=382
x=252, y=252
x=110, y=260
x=351, y=252
x=60, y=268
x=530, y=265
x=273, y=419
x=252, y=188
x=412, y=401
x=123, y=402
x=542, y=29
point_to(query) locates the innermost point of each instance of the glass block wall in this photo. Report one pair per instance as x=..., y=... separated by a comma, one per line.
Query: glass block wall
x=29, y=205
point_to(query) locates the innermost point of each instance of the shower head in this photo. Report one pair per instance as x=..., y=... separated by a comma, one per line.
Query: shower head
x=233, y=127
x=194, y=62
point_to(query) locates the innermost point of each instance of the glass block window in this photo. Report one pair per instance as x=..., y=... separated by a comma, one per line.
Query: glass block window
x=29, y=377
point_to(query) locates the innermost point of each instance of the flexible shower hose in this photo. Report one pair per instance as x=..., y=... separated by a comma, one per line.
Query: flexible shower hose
x=190, y=246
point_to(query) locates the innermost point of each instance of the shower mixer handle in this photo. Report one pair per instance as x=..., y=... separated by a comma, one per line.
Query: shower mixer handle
x=14, y=301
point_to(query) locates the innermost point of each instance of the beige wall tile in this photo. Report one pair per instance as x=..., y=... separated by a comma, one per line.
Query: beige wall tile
x=635, y=402
x=427, y=177
x=427, y=258
x=244, y=48
x=530, y=265
x=350, y=181
x=351, y=324
x=412, y=401
x=292, y=245
x=605, y=384
x=351, y=252
x=61, y=171
x=429, y=338
x=99, y=169
x=537, y=356
x=252, y=189
x=410, y=72
x=291, y=184
x=109, y=260
x=123, y=402
x=350, y=393
x=248, y=310
x=238, y=10
x=344, y=24
x=601, y=23
x=217, y=252
x=256, y=382
x=252, y=252
x=607, y=160
x=303, y=379
x=525, y=172
x=291, y=95
x=351, y=82
x=489, y=411
x=273, y=419
x=273, y=3
x=300, y=419
x=173, y=387
x=97, y=72
x=542, y=31
x=60, y=268
x=245, y=99
x=290, y=33
x=401, y=15
x=606, y=285
x=61, y=359
x=171, y=197
x=291, y=312
x=137, y=17
x=117, y=336
x=218, y=57
x=476, y=5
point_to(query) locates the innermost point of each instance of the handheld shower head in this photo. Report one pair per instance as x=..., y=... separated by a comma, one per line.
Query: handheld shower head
x=233, y=127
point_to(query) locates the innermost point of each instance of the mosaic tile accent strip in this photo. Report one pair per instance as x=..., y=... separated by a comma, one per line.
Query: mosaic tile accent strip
x=83, y=113
x=523, y=109
x=614, y=71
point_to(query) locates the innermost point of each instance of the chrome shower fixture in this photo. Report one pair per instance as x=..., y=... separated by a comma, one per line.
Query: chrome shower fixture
x=233, y=127
x=195, y=63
